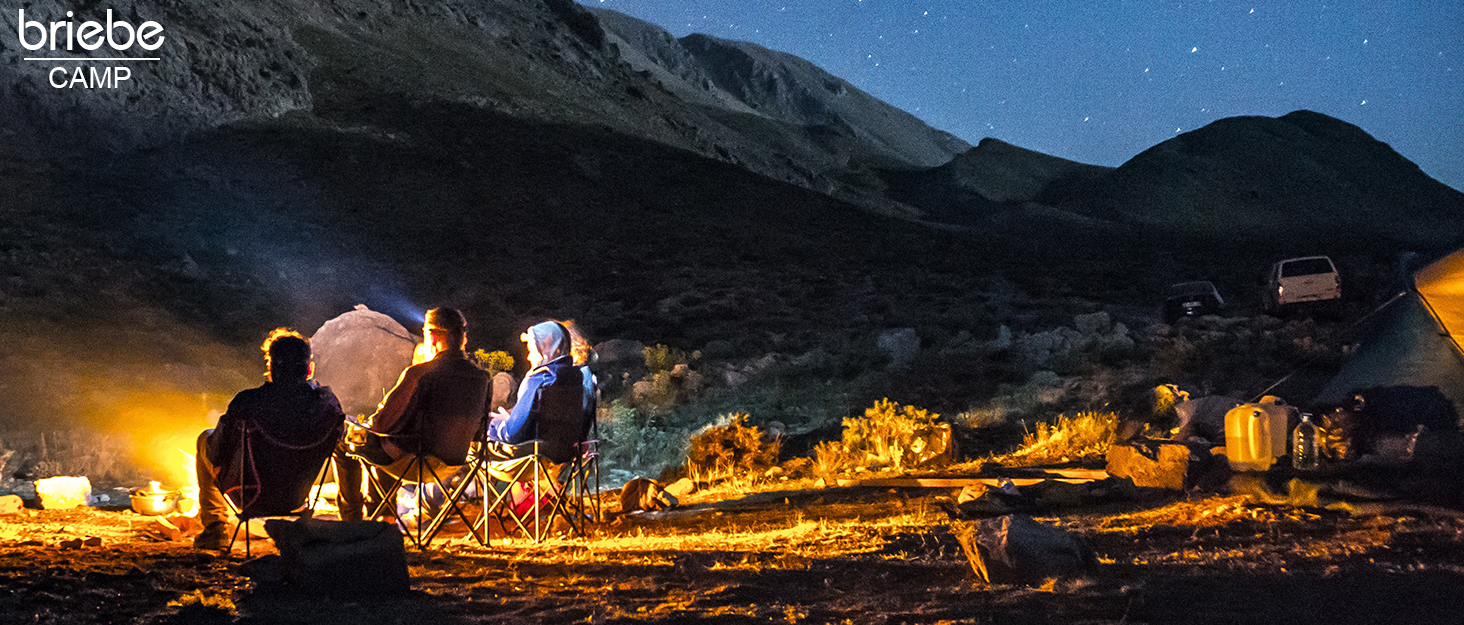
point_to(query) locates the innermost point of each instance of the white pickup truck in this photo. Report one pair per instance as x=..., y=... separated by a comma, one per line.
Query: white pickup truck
x=1302, y=280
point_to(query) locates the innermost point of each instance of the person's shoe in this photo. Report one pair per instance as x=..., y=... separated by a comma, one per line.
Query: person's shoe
x=215, y=537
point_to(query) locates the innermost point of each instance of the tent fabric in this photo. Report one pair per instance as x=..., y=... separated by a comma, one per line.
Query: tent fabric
x=1442, y=286
x=360, y=355
x=1413, y=342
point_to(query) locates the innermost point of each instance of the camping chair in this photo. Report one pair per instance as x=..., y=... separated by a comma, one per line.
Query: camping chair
x=582, y=497
x=531, y=492
x=290, y=493
x=422, y=471
x=527, y=491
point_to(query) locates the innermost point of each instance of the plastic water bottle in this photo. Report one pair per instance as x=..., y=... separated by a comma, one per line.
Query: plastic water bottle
x=1304, y=445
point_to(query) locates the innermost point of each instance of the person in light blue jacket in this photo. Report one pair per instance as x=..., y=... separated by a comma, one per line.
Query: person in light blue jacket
x=551, y=400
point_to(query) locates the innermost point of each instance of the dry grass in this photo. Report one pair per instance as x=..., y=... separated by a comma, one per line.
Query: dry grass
x=1213, y=512
x=1086, y=436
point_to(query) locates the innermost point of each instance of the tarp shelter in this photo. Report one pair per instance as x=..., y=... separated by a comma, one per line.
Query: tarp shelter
x=360, y=355
x=1415, y=346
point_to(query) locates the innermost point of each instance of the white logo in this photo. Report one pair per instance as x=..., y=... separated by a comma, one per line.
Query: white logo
x=89, y=35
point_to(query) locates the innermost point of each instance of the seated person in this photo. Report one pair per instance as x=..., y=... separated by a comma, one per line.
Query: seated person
x=437, y=407
x=551, y=400
x=287, y=410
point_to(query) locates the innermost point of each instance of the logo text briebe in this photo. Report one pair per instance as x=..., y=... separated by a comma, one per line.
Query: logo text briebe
x=89, y=35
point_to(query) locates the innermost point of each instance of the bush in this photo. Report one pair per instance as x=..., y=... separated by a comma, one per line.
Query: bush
x=730, y=450
x=633, y=447
x=493, y=362
x=669, y=381
x=884, y=434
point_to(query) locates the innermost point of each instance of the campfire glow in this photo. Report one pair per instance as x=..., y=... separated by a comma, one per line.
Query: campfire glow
x=60, y=493
x=422, y=353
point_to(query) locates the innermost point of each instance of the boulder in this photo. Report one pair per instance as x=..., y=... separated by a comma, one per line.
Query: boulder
x=1015, y=549
x=1204, y=418
x=340, y=559
x=621, y=351
x=11, y=504
x=360, y=355
x=1167, y=464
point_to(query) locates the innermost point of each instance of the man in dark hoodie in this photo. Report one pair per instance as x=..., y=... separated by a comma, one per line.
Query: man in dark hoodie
x=551, y=403
x=297, y=423
x=437, y=407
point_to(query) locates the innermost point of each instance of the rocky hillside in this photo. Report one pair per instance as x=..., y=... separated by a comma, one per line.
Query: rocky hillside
x=992, y=180
x=742, y=78
x=544, y=61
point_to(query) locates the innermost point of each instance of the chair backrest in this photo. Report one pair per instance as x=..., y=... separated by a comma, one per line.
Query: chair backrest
x=448, y=410
x=560, y=417
x=274, y=476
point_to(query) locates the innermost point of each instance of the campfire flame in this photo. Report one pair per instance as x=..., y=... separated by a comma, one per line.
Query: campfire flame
x=188, y=493
x=423, y=353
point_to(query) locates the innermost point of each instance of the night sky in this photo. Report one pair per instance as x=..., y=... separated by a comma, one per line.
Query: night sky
x=1099, y=82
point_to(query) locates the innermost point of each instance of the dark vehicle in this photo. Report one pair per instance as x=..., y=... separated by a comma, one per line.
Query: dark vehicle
x=1191, y=299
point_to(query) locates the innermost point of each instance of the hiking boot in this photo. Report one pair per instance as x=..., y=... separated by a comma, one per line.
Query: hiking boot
x=215, y=537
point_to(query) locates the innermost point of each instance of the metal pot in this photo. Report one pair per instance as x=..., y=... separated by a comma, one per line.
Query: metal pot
x=154, y=503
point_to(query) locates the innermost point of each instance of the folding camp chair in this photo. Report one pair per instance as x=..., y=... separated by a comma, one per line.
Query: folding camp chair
x=581, y=500
x=290, y=495
x=527, y=491
x=531, y=492
x=422, y=471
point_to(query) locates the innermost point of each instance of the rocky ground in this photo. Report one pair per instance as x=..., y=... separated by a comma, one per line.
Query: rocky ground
x=837, y=555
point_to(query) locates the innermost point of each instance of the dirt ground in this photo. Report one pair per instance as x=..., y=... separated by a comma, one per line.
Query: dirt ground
x=839, y=555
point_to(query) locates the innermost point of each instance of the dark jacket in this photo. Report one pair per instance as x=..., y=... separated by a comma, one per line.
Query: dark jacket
x=293, y=427
x=440, y=405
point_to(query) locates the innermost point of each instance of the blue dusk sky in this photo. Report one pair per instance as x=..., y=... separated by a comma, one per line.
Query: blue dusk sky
x=1099, y=82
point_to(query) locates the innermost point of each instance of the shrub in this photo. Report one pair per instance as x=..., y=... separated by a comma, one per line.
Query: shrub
x=1067, y=439
x=884, y=434
x=733, y=449
x=493, y=362
x=669, y=381
x=632, y=446
x=663, y=358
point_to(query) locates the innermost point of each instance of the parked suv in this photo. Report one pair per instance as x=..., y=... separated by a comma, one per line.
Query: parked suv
x=1191, y=299
x=1302, y=280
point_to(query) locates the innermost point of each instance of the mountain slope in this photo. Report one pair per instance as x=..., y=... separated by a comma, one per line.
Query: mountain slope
x=1293, y=181
x=1303, y=176
x=549, y=61
x=746, y=78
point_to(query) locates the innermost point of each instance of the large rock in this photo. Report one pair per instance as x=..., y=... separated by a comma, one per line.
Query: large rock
x=621, y=351
x=360, y=355
x=340, y=559
x=1015, y=549
x=1204, y=418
